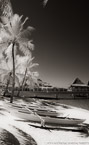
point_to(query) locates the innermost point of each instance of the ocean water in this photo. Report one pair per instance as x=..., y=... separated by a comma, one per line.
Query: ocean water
x=81, y=103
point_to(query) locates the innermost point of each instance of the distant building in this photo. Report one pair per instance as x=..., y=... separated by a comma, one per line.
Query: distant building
x=78, y=85
x=43, y=85
x=79, y=89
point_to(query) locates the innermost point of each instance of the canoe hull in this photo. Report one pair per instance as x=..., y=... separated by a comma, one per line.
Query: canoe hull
x=48, y=120
x=28, y=115
x=63, y=121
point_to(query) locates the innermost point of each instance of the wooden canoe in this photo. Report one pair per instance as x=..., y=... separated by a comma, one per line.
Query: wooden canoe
x=46, y=120
x=31, y=116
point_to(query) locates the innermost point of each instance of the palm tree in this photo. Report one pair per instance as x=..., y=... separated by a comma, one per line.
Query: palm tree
x=6, y=70
x=27, y=65
x=13, y=34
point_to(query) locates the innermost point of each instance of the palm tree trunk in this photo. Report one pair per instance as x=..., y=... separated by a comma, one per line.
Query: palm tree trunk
x=18, y=93
x=24, y=79
x=8, y=82
x=25, y=82
x=13, y=82
x=22, y=87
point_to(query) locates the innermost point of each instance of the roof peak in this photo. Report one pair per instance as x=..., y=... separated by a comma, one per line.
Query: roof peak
x=77, y=81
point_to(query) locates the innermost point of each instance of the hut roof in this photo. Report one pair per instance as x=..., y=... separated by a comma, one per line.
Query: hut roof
x=78, y=82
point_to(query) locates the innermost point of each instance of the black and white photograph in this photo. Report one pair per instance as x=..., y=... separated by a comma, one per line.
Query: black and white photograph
x=44, y=72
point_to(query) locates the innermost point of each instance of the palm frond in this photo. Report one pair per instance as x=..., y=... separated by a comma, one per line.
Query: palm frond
x=33, y=65
x=4, y=35
x=8, y=51
x=9, y=30
x=25, y=49
x=26, y=33
x=29, y=60
x=20, y=62
x=6, y=8
x=3, y=47
x=23, y=22
x=16, y=24
x=32, y=78
x=5, y=65
x=30, y=45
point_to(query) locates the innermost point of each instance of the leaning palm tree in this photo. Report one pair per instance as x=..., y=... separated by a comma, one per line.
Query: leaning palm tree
x=13, y=33
x=32, y=79
x=26, y=68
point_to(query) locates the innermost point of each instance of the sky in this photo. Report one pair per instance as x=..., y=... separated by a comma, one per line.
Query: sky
x=61, y=38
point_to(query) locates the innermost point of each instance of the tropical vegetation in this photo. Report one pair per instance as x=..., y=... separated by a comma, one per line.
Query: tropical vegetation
x=15, y=44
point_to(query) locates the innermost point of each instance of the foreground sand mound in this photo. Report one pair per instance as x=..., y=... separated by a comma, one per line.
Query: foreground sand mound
x=6, y=138
x=15, y=137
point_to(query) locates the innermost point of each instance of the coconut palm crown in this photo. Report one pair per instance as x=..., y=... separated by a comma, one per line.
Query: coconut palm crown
x=13, y=32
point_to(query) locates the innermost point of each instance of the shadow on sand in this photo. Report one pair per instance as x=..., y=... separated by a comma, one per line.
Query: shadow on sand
x=6, y=138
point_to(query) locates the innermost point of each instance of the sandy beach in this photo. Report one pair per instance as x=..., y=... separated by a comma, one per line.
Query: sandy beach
x=26, y=134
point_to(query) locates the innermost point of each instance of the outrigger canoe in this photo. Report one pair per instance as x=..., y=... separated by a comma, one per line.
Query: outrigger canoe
x=45, y=112
x=31, y=116
x=47, y=120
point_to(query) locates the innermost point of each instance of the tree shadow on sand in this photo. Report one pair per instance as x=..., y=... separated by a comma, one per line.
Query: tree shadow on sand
x=26, y=137
x=6, y=138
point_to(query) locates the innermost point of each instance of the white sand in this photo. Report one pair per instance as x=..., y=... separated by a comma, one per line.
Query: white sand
x=46, y=137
